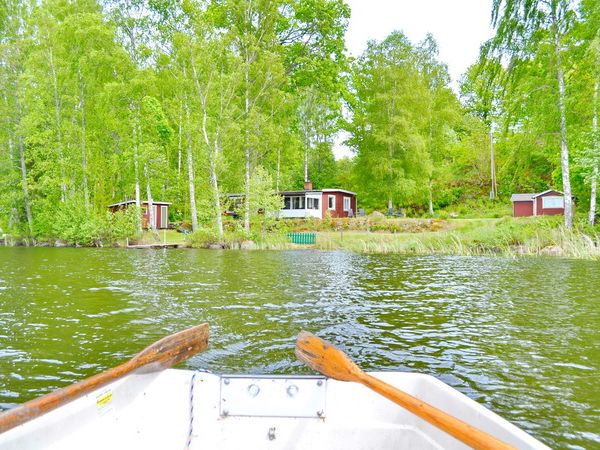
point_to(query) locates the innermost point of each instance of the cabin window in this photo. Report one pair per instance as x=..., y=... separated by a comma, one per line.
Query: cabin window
x=297, y=202
x=346, y=203
x=552, y=202
x=287, y=201
x=312, y=203
x=331, y=201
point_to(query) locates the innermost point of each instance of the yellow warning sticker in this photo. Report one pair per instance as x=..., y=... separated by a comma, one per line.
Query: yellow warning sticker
x=104, y=399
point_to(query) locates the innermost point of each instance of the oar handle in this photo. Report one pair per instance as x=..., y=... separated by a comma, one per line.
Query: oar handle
x=41, y=405
x=161, y=355
x=462, y=431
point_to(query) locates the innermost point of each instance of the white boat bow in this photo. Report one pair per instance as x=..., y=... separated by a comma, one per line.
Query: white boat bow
x=158, y=411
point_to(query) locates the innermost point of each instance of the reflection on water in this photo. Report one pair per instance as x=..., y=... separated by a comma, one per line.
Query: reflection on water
x=518, y=336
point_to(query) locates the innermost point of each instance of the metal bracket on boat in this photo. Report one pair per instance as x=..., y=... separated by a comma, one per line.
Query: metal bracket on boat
x=273, y=396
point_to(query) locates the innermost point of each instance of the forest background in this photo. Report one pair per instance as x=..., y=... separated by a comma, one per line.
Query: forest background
x=187, y=100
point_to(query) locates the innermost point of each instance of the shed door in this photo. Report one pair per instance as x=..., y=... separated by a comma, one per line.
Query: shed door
x=163, y=217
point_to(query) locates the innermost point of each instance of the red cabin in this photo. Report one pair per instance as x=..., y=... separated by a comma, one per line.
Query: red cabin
x=547, y=203
x=161, y=212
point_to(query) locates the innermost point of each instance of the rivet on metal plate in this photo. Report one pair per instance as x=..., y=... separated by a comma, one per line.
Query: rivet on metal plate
x=253, y=390
x=292, y=390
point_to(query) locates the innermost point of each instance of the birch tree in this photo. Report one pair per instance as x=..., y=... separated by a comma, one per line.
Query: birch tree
x=390, y=113
x=16, y=197
x=520, y=26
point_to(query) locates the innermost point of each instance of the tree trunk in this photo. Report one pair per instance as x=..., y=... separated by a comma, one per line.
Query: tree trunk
x=214, y=182
x=136, y=169
x=564, y=149
x=58, y=124
x=179, y=141
x=278, y=173
x=596, y=144
x=84, y=156
x=13, y=217
x=493, y=190
x=212, y=168
x=211, y=150
x=306, y=147
x=247, y=152
x=430, y=197
x=25, y=187
x=247, y=189
x=190, y=171
x=151, y=215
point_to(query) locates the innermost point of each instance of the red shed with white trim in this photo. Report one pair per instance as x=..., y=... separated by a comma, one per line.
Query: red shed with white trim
x=547, y=203
x=161, y=212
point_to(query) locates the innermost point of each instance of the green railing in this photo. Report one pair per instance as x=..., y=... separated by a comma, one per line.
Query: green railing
x=303, y=238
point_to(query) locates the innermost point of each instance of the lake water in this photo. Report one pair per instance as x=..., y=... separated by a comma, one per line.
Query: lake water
x=519, y=336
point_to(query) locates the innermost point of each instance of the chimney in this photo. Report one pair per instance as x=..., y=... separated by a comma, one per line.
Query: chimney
x=308, y=185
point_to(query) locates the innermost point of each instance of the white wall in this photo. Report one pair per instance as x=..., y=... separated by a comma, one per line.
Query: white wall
x=299, y=213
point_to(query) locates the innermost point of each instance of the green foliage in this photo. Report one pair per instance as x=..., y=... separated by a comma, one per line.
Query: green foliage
x=404, y=120
x=234, y=237
x=123, y=224
x=99, y=103
x=75, y=225
x=265, y=202
x=203, y=238
x=477, y=208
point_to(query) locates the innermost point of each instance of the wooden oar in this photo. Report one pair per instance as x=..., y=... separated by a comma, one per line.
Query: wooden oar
x=161, y=355
x=327, y=359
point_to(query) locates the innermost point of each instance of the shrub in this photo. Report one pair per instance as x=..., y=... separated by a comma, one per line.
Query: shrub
x=203, y=238
x=122, y=224
x=234, y=238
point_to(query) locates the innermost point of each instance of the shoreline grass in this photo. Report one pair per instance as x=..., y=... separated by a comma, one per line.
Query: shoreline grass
x=478, y=237
x=507, y=236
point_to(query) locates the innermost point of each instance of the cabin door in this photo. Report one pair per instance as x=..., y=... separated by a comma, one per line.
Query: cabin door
x=164, y=217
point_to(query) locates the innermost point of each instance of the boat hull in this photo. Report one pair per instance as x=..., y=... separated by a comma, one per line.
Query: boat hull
x=157, y=410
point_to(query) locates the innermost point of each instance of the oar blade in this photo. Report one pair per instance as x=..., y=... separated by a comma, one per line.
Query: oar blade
x=325, y=358
x=173, y=349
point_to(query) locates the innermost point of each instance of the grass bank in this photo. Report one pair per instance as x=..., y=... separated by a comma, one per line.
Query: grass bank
x=507, y=236
x=542, y=236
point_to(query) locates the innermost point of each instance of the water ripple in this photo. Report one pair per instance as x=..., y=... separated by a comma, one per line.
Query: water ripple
x=519, y=336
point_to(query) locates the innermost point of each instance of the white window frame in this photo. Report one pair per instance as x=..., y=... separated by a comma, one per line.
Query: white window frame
x=164, y=216
x=347, y=204
x=553, y=202
x=155, y=215
x=301, y=200
x=330, y=203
